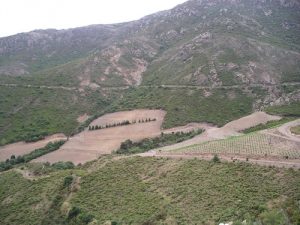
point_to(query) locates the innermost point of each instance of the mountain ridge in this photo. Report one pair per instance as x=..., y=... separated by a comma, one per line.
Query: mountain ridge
x=210, y=44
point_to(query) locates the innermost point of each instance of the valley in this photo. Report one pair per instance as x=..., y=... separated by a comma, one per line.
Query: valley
x=185, y=116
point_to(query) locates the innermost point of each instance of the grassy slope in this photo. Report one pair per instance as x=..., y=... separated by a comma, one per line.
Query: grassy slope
x=270, y=124
x=33, y=111
x=186, y=105
x=24, y=201
x=292, y=109
x=154, y=191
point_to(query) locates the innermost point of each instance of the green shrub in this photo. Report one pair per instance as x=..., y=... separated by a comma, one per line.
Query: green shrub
x=85, y=218
x=272, y=217
x=216, y=159
x=128, y=147
x=74, y=212
x=63, y=165
x=68, y=181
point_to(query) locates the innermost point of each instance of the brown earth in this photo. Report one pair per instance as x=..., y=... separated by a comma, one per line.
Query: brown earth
x=22, y=148
x=89, y=145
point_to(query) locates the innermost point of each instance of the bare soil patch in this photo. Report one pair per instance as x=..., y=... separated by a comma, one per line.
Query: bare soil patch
x=83, y=118
x=22, y=148
x=89, y=145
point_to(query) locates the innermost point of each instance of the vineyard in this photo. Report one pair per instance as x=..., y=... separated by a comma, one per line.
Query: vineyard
x=253, y=144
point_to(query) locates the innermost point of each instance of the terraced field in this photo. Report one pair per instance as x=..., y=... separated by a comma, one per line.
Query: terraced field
x=253, y=144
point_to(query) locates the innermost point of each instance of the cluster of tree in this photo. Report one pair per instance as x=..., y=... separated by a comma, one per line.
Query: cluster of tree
x=126, y=122
x=129, y=147
x=50, y=147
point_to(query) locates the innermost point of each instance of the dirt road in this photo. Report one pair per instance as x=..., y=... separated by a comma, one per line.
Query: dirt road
x=227, y=158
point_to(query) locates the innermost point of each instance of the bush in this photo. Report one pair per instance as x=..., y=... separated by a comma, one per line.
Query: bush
x=86, y=218
x=63, y=165
x=68, y=181
x=272, y=217
x=74, y=212
x=216, y=159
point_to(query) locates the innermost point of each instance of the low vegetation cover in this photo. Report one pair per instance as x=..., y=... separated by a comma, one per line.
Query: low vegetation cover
x=50, y=147
x=188, y=105
x=292, y=109
x=30, y=114
x=40, y=169
x=129, y=147
x=152, y=191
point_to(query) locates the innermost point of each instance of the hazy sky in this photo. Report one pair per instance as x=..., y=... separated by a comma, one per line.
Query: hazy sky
x=25, y=15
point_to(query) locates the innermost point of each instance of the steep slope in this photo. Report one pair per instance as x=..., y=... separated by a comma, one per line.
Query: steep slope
x=30, y=52
x=198, y=42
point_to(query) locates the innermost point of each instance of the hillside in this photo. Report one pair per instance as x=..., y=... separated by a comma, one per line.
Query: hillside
x=149, y=191
x=244, y=52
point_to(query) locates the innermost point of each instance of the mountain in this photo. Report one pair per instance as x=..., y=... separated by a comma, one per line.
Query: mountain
x=211, y=61
x=247, y=52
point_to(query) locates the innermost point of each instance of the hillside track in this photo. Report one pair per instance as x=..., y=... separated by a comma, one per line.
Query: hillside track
x=226, y=87
x=229, y=158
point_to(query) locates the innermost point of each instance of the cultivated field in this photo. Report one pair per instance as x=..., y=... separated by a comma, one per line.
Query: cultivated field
x=89, y=145
x=250, y=145
x=22, y=148
x=230, y=129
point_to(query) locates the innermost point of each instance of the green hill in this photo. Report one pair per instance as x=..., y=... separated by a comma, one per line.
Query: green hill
x=150, y=191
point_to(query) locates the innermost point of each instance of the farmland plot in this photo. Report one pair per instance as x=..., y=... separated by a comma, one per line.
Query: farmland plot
x=254, y=144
